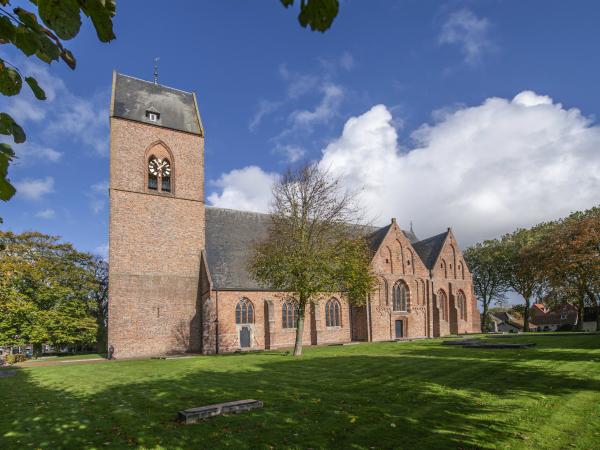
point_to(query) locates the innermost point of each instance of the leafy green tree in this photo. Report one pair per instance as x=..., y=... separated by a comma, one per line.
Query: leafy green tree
x=47, y=292
x=489, y=284
x=20, y=28
x=520, y=265
x=318, y=14
x=310, y=248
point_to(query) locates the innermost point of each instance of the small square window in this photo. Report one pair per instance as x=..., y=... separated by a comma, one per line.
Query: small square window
x=152, y=116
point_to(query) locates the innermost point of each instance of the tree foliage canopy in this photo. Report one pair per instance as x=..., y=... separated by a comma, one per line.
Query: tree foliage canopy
x=48, y=291
x=554, y=262
x=317, y=14
x=312, y=248
x=488, y=282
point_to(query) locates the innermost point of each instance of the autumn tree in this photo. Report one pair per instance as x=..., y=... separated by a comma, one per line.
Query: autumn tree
x=312, y=247
x=47, y=292
x=488, y=281
x=570, y=259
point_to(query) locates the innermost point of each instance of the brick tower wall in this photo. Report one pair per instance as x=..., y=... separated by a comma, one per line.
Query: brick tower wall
x=155, y=242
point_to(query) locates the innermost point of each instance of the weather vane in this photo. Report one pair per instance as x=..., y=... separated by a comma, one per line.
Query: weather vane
x=156, y=70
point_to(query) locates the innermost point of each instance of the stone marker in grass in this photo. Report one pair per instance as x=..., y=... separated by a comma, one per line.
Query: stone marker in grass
x=475, y=343
x=193, y=415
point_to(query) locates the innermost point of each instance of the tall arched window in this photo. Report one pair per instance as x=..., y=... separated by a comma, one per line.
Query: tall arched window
x=289, y=314
x=443, y=304
x=159, y=170
x=462, y=305
x=400, y=297
x=444, y=268
x=333, y=313
x=244, y=312
x=383, y=292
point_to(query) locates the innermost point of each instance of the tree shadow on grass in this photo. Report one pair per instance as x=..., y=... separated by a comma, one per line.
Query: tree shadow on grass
x=418, y=399
x=573, y=348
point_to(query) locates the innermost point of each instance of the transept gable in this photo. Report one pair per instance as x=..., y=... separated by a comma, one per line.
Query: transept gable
x=449, y=262
x=394, y=252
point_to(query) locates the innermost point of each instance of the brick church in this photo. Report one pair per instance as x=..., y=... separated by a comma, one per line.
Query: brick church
x=178, y=279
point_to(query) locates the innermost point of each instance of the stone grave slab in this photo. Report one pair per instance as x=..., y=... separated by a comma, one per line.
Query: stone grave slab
x=194, y=415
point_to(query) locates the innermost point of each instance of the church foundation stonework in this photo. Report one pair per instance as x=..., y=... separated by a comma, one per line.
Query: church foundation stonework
x=178, y=279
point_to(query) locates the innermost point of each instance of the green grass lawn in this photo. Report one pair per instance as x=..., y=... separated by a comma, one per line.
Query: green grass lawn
x=408, y=395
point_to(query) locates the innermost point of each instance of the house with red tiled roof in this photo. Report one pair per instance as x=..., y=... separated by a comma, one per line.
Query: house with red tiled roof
x=552, y=319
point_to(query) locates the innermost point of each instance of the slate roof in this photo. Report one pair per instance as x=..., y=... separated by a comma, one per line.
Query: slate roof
x=132, y=97
x=429, y=249
x=229, y=237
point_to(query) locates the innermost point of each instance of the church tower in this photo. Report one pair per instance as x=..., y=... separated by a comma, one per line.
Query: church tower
x=156, y=234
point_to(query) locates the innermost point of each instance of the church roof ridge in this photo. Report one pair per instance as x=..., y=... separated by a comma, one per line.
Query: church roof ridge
x=133, y=98
x=153, y=84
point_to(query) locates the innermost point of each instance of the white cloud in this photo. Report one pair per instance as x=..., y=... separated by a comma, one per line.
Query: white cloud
x=30, y=151
x=24, y=109
x=34, y=189
x=98, y=195
x=247, y=189
x=327, y=108
x=265, y=107
x=83, y=120
x=291, y=153
x=102, y=251
x=484, y=170
x=48, y=213
x=347, y=61
x=469, y=32
x=63, y=114
x=298, y=84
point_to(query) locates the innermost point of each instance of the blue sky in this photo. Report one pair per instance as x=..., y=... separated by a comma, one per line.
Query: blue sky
x=479, y=115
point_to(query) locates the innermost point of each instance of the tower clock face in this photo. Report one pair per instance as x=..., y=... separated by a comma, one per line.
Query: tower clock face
x=158, y=167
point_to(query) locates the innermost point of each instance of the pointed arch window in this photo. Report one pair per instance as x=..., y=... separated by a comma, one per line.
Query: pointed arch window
x=462, y=305
x=400, y=297
x=383, y=293
x=159, y=171
x=443, y=304
x=244, y=312
x=289, y=315
x=333, y=316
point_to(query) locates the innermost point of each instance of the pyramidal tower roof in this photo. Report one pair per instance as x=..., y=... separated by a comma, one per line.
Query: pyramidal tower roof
x=135, y=99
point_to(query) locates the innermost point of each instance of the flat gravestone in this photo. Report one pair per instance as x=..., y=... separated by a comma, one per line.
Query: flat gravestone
x=474, y=343
x=194, y=415
x=7, y=373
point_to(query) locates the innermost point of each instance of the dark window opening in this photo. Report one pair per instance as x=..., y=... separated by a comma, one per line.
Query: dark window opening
x=152, y=182
x=289, y=314
x=244, y=312
x=332, y=313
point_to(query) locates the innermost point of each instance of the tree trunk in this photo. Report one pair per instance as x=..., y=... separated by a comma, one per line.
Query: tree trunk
x=299, y=330
x=598, y=315
x=580, y=313
x=526, y=315
x=484, y=320
x=37, y=350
